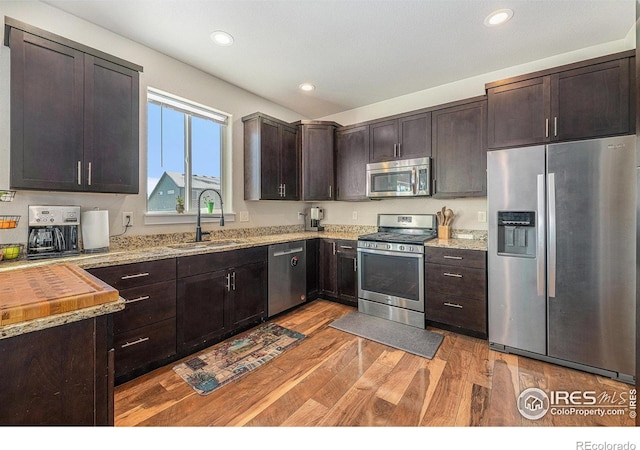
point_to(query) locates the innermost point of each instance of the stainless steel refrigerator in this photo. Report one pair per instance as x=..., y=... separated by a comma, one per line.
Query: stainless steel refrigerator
x=562, y=254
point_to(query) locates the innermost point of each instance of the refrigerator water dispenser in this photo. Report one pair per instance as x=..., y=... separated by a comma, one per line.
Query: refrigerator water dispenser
x=517, y=233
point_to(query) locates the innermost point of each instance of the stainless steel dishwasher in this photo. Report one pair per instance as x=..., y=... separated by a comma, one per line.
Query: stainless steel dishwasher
x=287, y=276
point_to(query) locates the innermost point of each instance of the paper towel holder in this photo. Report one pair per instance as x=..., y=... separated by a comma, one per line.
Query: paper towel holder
x=95, y=231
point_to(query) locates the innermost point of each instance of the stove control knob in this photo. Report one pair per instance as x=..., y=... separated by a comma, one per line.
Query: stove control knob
x=401, y=247
x=388, y=246
x=410, y=248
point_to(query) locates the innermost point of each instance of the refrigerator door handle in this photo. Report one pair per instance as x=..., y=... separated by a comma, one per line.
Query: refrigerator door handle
x=540, y=244
x=552, y=235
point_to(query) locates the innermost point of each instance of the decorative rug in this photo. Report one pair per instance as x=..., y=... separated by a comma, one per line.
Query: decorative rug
x=410, y=339
x=230, y=360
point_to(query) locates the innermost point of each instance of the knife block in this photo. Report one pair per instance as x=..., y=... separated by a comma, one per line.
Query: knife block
x=444, y=232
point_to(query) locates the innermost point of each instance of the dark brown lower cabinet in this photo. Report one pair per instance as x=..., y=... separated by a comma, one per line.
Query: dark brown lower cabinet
x=145, y=331
x=338, y=270
x=219, y=294
x=456, y=290
x=58, y=376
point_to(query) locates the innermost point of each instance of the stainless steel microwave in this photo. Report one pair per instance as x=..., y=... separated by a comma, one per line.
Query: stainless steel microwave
x=403, y=178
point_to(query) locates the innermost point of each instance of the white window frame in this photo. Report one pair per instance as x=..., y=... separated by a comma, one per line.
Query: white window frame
x=226, y=170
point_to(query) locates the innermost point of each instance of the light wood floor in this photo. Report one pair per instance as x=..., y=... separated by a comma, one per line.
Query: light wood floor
x=334, y=378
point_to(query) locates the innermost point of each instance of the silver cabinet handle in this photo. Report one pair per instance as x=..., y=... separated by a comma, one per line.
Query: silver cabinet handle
x=284, y=190
x=452, y=257
x=399, y=150
x=395, y=150
x=355, y=264
x=329, y=191
x=546, y=127
x=334, y=247
x=89, y=174
x=346, y=247
x=228, y=277
x=454, y=275
x=233, y=280
x=552, y=233
x=540, y=270
x=555, y=126
x=137, y=341
x=138, y=299
x=79, y=173
x=136, y=275
x=453, y=305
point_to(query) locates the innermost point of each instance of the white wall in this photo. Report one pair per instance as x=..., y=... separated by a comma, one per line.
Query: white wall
x=172, y=76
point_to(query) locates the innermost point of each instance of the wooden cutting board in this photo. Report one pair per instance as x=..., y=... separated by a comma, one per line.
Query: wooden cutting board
x=36, y=292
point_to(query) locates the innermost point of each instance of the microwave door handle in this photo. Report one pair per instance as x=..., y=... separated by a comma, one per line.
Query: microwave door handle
x=414, y=181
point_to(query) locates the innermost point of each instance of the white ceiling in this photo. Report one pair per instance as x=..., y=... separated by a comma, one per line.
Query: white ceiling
x=356, y=52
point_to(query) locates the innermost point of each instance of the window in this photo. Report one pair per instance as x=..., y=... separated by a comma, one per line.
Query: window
x=184, y=153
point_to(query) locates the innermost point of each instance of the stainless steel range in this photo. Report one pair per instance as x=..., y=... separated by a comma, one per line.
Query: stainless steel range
x=391, y=268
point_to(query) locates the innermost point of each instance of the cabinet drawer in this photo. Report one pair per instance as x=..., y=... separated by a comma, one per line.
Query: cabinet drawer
x=455, y=280
x=458, y=312
x=142, y=346
x=137, y=274
x=456, y=257
x=146, y=305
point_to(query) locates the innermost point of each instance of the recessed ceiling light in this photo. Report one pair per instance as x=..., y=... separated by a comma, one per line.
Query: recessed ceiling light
x=498, y=17
x=222, y=38
x=307, y=87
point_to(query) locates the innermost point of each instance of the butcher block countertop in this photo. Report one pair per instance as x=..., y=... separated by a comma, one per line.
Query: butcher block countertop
x=37, y=292
x=35, y=298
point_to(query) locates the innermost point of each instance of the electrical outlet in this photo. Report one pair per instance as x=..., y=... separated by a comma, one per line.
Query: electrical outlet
x=354, y=215
x=127, y=219
x=244, y=216
x=482, y=216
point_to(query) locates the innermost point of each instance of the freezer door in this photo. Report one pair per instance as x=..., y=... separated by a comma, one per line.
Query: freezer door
x=591, y=251
x=516, y=283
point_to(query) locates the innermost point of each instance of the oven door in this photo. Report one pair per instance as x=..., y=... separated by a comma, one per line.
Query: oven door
x=391, y=278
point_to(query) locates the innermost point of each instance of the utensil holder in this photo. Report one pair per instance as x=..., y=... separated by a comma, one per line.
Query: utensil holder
x=444, y=231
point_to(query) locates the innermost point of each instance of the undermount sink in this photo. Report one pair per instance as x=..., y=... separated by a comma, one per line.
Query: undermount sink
x=204, y=244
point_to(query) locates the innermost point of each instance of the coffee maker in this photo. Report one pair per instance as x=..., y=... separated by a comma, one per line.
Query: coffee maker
x=53, y=231
x=312, y=218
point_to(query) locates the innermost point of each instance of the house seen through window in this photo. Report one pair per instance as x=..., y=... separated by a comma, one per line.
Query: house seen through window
x=184, y=153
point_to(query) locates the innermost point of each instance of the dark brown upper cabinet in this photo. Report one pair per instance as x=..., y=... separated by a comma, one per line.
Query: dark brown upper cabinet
x=460, y=150
x=316, y=145
x=590, y=99
x=352, y=156
x=271, y=159
x=74, y=115
x=404, y=137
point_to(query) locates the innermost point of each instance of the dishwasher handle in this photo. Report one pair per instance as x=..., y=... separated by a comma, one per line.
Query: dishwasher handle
x=288, y=252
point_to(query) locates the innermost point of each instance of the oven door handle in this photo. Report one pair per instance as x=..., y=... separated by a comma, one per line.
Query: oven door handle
x=391, y=253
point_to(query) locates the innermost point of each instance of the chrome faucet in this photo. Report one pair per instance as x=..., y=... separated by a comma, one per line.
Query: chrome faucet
x=199, y=231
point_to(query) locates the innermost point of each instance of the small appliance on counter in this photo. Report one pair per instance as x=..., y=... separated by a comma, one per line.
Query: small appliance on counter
x=53, y=231
x=95, y=231
x=312, y=219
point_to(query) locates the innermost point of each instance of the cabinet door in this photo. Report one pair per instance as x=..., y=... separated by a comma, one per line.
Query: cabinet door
x=290, y=164
x=317, y=145
x=46, y=113
x=202, y=309
x=270, y=160
x=249, y=288
x=111, y=127
x=592, y=101
x=347, y=277
x=384, y=141
x=518, y=113
x=57, y=376
x=352, y=156
x=415, y=136
x=328, y=267
x=313, y=255
x=459, y=150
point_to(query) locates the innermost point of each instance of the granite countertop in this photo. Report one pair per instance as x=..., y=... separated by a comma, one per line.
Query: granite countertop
x=143, y=248
x=146, y=248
